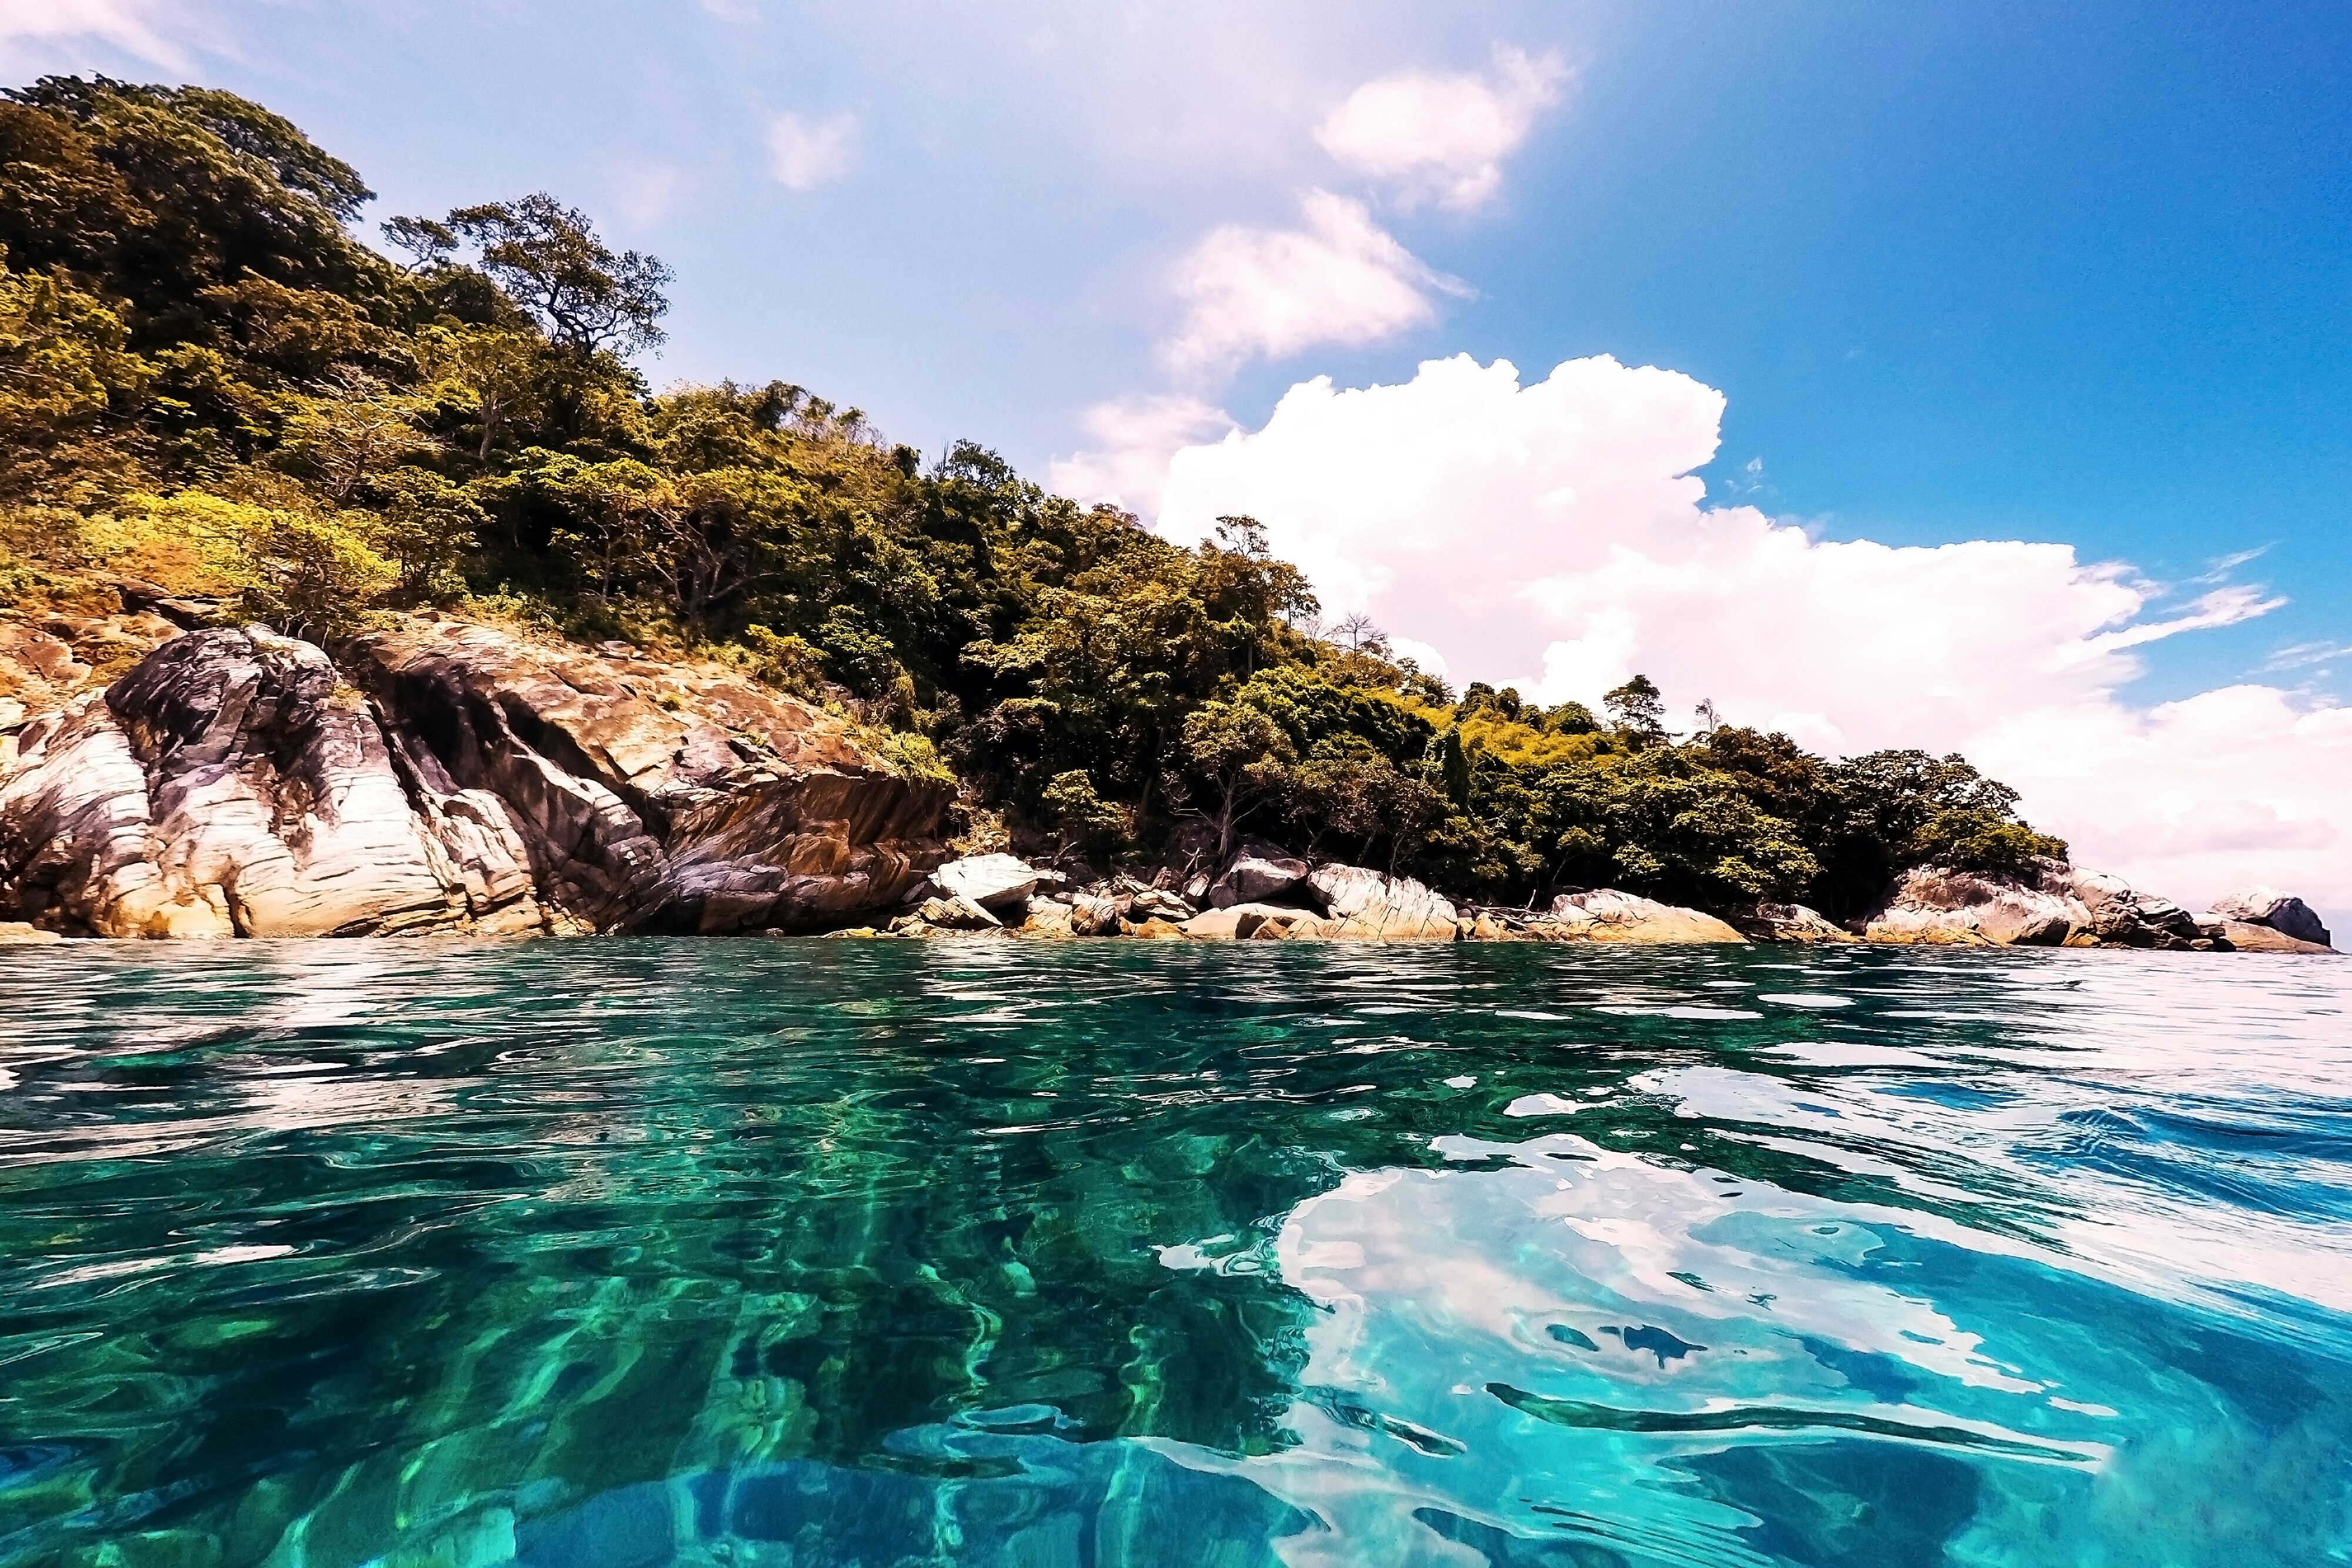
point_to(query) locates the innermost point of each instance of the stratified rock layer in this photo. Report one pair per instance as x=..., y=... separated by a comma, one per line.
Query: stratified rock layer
x=233, y=784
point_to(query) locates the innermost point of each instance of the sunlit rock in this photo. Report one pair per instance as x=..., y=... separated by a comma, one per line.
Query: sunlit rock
x=2281, y=912
x=1606, y=915
x=1365, y=905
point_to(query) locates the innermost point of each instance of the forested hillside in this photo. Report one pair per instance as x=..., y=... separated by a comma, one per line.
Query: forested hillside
x=209, y=383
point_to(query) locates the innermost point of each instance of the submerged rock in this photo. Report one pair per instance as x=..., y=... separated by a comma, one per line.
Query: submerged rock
x=2281, y=912
x=233, y=784
x=1366, y=905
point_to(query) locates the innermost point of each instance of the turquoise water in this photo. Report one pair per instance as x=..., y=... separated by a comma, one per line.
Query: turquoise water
x=615, y=1254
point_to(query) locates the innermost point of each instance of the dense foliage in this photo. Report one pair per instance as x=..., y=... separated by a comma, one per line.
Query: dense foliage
x=206, y=381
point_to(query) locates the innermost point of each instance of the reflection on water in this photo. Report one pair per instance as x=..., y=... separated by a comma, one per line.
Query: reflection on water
x=636, y=1253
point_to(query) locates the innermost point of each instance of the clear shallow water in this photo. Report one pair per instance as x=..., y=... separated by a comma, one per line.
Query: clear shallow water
x=621, y=1254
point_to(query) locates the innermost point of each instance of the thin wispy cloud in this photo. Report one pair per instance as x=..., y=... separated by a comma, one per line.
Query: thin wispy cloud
x=804, y=153
x=2305, y=655
x=130, y=25
x=1443, y=136
x=1338, y=279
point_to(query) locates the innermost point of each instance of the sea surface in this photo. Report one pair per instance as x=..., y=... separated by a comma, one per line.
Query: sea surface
x=618, y=1254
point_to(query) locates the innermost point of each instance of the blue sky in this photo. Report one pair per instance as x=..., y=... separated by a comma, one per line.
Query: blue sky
x=2076, y=273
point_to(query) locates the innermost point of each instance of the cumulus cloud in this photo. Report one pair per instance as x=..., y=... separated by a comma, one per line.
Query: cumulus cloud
x=1554, y=536
x=804, y=153
x=128, y=25
x=1338, y=279
x=1133, y=439
x=1443, y=136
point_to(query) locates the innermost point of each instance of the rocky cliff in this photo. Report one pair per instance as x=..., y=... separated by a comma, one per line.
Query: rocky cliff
x=447, y=777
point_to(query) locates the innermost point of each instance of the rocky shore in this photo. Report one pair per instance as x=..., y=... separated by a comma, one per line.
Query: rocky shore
x=160, y=779
x=1287, y=901
x=447, y=777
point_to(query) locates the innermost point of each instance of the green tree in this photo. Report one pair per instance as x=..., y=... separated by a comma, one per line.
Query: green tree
x=309, y=574
x=1241, y=755
x=590, y=297
x=1640, y=710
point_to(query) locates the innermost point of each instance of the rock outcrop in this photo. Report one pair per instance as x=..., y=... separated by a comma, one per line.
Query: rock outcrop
x=1260, y=872
x=2281, y=912
x=1786, y=923
x=2049, y=904
x=233, y=783
x=1606, y=915
x=1368, y=907
x=993, y=882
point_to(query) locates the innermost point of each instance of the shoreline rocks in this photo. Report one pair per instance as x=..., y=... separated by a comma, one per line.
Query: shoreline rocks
x=2048, y=905
x=454, y=777
x=233, y=783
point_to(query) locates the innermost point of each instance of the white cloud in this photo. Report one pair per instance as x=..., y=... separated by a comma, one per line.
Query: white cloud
x=1339, y=279
x=804, y=153
x=128, y=25
x=1553, y=536
x=1443, y=136
x=1132, y=440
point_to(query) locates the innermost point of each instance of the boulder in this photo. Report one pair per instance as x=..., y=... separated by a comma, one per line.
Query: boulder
x=230, y=785
x=16, y=931
x=2281, y=912
x=1153, y=928
x=1260, y=871
x=1358, y=905
x=1047, y=917
x=957, y=915
x=1786, y=923
x=993, y=882
x=1605, y=914
x=233, y=783
x=2245, y=936
x=653, y=797
x=1154, y=901
x=1248, y=922
x=1094, y=915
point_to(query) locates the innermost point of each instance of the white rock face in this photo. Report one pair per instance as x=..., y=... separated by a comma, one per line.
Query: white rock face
x=1365, y=905
x=993, y=882
x=2280, y=911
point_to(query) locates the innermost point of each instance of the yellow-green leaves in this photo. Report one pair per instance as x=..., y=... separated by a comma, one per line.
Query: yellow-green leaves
x=310, y=575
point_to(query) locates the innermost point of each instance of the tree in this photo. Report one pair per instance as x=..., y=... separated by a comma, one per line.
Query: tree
x=309, y=574
x=1244, y=757
x=493, y=370
x=546, y=255
x=357, y=429
x=1082, y=818
x=64, y=366
x=1640, y=710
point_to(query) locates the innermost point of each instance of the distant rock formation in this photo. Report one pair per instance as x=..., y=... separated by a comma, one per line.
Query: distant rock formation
x=2052, y=903
x=233, y=783
x=2282, y=913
